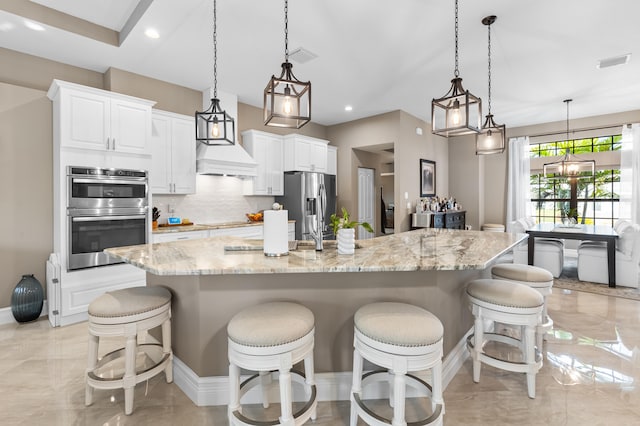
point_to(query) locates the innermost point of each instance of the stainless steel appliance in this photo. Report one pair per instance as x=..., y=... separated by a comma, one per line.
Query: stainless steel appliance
x=307, y=195
x=105, y=208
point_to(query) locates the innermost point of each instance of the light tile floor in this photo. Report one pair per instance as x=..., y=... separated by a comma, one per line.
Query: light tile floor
x=591, y=365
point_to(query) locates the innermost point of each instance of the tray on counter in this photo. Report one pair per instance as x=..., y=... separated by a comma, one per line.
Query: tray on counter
x=167, y=225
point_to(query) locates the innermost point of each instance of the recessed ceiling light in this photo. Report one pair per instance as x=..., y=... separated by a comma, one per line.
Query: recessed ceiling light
x=616, y=60
x=151, y=33
x=33, y=26
x=348, y=108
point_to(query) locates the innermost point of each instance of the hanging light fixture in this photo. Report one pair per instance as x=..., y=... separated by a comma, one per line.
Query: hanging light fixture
x=214, y=126
x=568, y=166
x=458, y=112
x=287, y=100
x=491, y=139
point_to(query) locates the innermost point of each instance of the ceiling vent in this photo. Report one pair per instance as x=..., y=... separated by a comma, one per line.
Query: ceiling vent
x=302, y=55
x=612, y=62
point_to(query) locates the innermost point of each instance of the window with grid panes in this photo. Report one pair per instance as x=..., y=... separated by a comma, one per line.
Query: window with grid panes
x=598, y=199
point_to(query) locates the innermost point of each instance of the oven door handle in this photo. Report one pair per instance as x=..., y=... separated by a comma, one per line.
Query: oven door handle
x=109, y=180
x=97, y=218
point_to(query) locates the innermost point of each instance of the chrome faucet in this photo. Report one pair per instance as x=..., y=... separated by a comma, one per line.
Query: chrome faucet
x=318, y=227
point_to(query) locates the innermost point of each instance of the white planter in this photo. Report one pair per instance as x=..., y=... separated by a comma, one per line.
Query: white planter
x=346, y=241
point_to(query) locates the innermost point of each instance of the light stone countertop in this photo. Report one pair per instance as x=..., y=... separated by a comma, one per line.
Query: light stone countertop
x=205, y=227
x=422, y=249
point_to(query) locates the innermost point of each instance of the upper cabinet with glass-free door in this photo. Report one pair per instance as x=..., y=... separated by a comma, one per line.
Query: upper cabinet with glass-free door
x=267, y=150
x=305, y=154
x=99, y=120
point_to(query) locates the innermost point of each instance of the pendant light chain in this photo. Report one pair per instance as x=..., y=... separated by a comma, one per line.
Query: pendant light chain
x=215, y=52
x=456, y=73
x=567, y=102
x=489, y=32
x=286, y=30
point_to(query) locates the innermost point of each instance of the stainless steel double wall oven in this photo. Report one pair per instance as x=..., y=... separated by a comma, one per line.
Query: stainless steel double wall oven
x=105, y=208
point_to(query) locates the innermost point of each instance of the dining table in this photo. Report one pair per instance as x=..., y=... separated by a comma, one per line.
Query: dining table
x=577, y=232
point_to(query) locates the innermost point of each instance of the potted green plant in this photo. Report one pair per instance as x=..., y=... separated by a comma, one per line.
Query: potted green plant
x=344, y=230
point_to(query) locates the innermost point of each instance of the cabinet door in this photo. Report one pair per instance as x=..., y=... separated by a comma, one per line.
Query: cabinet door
x=260, y=153
x=130, y=127
x=84, y=120
x=302, y=156
x=160, y=173
x=183, y=156
x=318, y=157
x=332, y=160
x=179, y=236
x=275, y=166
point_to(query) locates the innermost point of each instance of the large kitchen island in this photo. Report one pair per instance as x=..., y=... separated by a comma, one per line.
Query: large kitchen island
x=214, y=278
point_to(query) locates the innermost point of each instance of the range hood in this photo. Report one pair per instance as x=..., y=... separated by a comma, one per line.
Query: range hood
x=229, y=160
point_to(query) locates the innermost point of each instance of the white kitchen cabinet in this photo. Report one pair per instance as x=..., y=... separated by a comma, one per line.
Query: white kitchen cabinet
x=253, y=231
x=179, y=236
x=332, y=160
x=99, y=120
x=305, y=154
x=173, y=154
x=268, y=151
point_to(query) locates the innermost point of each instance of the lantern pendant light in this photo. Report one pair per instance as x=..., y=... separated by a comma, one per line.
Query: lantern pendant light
x=491, y=139
x=458, y=112
x=569, y=166
x=214, y=126
x=287, y=100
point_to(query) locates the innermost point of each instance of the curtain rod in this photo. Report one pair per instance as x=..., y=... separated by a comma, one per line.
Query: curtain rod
x=585, y=129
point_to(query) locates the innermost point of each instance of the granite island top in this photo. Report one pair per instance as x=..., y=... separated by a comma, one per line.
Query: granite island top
x=419, y=250
x=205, y=226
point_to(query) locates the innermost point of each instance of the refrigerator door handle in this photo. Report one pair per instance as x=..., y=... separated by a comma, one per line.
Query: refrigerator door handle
x=323, y=205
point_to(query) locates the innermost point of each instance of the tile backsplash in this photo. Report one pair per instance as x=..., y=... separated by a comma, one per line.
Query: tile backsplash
x=218, y=199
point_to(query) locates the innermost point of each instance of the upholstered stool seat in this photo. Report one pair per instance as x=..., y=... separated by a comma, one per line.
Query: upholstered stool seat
x=266, y=338
x=538, y=279
x=400, y=338
x=492, y=227
x=512, y=304
x=128, y=313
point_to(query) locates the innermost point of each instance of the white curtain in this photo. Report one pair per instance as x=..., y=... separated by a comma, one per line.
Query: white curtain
x=630, y=173
x=518, y=195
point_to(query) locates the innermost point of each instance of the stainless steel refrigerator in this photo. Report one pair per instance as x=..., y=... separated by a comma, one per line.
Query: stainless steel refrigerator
x=307, y=194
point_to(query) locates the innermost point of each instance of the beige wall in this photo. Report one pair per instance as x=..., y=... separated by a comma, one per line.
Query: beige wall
x=250, y=117
x=397, y=128
x=26, y=169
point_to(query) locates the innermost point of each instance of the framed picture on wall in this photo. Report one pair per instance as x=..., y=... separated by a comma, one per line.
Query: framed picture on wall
x=427, y=178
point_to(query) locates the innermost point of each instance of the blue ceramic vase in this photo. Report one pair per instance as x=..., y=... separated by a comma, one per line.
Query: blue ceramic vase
x=27, y=299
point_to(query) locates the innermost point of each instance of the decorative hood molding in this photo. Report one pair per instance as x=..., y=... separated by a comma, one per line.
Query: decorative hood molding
x=229, y=160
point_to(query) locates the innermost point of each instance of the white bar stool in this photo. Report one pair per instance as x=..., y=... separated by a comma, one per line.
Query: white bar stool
x=538, y=279
x=401, y=338
x=127, y=313
x=512, y=304
x=271, y=337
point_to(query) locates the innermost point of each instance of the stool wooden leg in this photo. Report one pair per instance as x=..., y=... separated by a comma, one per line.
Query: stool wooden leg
x=399, y=393
x=391, y=377
x=92, y=360
x=356, y=386
x=129, y=379
x=265, y=380
x=478, y=339
x=436, y=387
x=530, y=359
x=286, y=406
x=310, y=380
x=234, y=391
x=166, y=349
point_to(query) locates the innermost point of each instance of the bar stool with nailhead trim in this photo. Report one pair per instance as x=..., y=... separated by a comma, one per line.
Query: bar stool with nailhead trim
x=129, y=312
x=272, y=337
x=401, y=338
x=512, y=304
x=538, y=279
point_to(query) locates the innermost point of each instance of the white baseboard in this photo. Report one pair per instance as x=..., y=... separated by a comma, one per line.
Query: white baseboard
x=6, y=317
x=209, y=391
